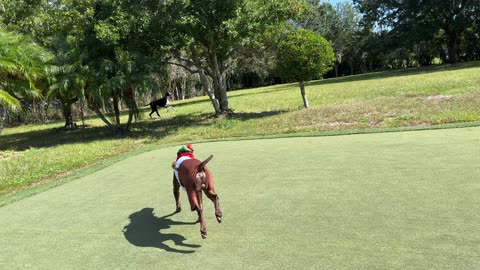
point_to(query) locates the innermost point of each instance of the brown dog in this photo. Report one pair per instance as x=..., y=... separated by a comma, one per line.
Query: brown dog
x=194, y=176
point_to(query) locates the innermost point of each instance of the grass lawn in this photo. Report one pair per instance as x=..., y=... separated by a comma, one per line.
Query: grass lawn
x=424, y=97
x=406, y=200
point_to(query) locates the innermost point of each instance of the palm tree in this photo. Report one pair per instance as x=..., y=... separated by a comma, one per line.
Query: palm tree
x=119, y=81
x=22, y=65
x=69, y=78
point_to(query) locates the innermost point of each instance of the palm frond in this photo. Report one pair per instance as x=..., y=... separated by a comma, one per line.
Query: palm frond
x=9, y=101
x=22, y=64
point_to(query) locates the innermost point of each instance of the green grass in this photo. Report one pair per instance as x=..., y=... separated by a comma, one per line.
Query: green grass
x=403, y=200
x=426, y=98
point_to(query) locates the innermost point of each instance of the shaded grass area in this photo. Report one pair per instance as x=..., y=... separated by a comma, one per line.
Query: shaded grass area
x=404, y=200
x=426, y=97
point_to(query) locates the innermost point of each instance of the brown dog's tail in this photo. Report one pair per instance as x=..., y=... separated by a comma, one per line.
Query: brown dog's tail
x=204, y=163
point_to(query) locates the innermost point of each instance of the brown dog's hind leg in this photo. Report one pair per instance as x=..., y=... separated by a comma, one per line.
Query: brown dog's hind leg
x=214, y=198
x=203, y=225
x=176, y=194
x=218, y=211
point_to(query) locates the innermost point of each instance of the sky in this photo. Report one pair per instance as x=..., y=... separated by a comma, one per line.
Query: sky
x=334, y=2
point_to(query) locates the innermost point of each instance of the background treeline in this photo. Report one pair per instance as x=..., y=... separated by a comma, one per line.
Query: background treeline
x=69, y=58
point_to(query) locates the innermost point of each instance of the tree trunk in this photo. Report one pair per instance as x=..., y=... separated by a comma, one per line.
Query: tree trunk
x=223, y=94
x=67, y=112
x=116, y=110
x=131, y=110
x=132, y=107
x=92, y=104
x=82, y=111
x=3, y=115
x=96, y=109
x=304, y=96
x=177, y=90
x=452, y=43
x=204, y=81
x=219, y=84
x=339, y=60
x=209, y=93
x=184, y=88
x=45, y=110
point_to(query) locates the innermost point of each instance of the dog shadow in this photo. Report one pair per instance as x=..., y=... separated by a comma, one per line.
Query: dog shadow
x=145, y=230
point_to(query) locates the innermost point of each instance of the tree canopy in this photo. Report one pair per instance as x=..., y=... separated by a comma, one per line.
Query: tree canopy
x=303, y=56
x=217, y=33
x=22, y=64
x=111, y=54
x=422, y=20
x=338, y=24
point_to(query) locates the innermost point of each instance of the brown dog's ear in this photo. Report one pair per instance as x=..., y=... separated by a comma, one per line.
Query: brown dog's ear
x=204, y=163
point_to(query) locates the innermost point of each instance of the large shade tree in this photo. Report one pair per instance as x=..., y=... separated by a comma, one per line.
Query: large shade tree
x=216, y=33
x=121, y=72
x=303, y=56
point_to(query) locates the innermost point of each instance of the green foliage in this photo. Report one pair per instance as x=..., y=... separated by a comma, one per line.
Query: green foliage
x=256, y=18
x=217, y=33
x=323, y=20
x=120, y=53
x=95, y=43
x=7, y=100
x=118, y=22
x=470, y=44
x=22, y=64
x=303, y=56
x=340, y=25
x=210, y=23
x=412, y=21
x=262, y=24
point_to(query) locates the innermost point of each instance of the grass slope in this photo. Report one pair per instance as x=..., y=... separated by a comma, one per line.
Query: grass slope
x=404, y=200
x=426, y=97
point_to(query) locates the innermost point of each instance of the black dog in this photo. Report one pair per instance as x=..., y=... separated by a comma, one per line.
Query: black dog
x=163, y=102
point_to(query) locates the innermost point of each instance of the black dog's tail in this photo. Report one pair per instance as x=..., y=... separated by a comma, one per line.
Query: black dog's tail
x=204, y=163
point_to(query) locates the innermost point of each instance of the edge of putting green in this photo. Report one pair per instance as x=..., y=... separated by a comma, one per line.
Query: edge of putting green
x=35, y=189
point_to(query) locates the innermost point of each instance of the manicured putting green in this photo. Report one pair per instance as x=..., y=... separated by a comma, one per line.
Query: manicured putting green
x=407, y=200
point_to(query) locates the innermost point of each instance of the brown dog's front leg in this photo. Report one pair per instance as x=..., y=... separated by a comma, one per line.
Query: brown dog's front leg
x=176, y=194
